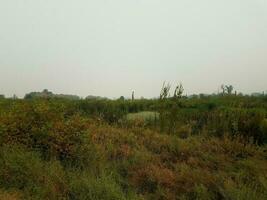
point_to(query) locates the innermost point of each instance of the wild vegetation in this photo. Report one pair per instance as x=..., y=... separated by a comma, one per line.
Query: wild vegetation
x=174, y=147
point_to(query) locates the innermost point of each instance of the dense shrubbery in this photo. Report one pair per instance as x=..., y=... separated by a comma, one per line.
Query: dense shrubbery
x=194, y=148
x=43, y=128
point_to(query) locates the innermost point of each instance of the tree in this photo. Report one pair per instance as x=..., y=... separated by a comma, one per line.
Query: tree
x=165, y=91
x=178, y=91
x=15, y=96
x=169, y=107
x=223, y=89
x=122, y=98
x=132, y=95
x=174, y=109
x=229, y=89
x=163, y=112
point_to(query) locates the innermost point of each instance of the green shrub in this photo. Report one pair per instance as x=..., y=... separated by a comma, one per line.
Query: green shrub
x=25, y=171
x=85, y=186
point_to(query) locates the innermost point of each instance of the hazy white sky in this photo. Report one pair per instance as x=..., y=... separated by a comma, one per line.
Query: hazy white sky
x=111, y=47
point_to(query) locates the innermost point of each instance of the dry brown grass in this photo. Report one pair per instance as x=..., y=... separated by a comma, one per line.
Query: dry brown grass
x=4, y=195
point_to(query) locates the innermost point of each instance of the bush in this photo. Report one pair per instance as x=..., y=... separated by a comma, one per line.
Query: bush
x=48, y=131
x=25, y=171
x=86, y=186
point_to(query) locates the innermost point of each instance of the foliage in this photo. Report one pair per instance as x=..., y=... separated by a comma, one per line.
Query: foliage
x=213, y=147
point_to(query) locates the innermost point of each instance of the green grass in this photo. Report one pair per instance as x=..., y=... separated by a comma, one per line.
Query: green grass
x=145, y=115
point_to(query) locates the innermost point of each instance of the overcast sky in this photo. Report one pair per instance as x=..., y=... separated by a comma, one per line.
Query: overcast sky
x=111, y=47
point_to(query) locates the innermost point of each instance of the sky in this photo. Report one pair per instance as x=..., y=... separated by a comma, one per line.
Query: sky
x=112, y=47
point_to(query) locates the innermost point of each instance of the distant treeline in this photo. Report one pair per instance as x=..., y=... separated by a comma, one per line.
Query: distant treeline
x=45, y=94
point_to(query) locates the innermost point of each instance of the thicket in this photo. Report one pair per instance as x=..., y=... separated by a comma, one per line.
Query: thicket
x=209, y=147
x=215, y=115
